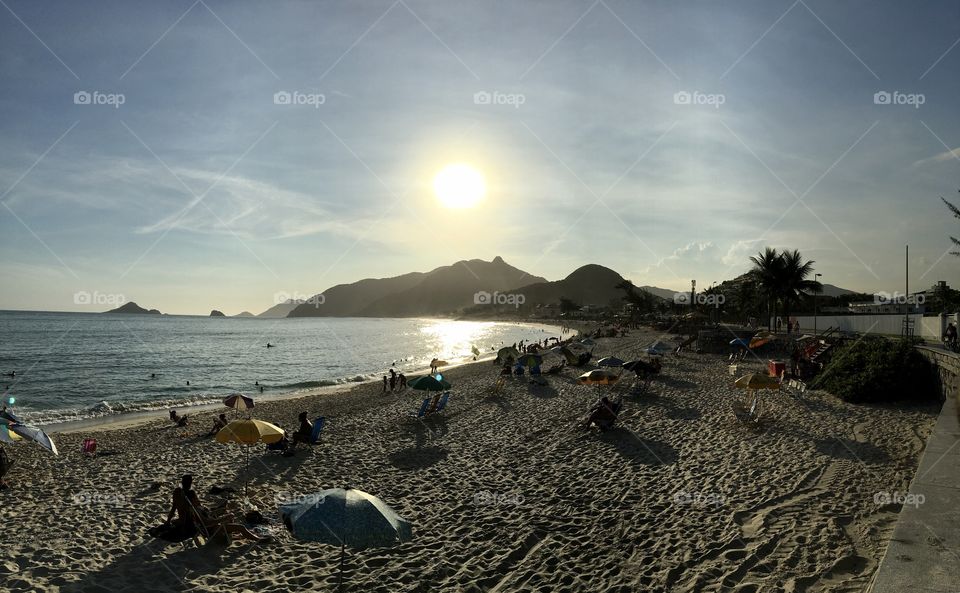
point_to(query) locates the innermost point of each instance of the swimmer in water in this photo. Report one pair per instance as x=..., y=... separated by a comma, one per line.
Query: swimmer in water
x=11, y=374
x=188, y=382
x=153, y=375
x=269, y=345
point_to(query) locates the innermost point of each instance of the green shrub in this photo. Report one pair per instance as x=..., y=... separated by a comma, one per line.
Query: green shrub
x=876, y=370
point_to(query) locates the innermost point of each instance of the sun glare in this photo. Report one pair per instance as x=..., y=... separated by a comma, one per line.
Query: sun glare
x=459, y=186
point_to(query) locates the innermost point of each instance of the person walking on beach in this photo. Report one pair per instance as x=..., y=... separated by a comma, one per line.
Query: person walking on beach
x=393, y=379
x=403, y=381
x=433, y=366
x=384, y=383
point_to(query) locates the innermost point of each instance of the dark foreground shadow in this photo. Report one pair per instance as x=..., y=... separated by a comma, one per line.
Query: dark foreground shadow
x=637, y=450
x=417, y=458
x=848, y=449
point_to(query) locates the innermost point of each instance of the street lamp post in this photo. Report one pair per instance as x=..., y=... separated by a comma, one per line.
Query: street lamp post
x=815, y=276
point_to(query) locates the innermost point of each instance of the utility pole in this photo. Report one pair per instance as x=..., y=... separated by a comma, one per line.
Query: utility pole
x=815, y=276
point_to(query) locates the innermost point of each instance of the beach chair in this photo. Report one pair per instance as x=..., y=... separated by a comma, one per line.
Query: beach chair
x=423, y=410
x=88, y=447
x=318, y=425
x=441, y=404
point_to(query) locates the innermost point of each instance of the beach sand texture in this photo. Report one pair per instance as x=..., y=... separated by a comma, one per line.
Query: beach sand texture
x=504, y=494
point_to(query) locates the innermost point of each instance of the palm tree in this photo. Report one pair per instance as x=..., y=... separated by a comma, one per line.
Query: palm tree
x=783, y=277
x=794, y=284
x=767, y=272
x=956, y=214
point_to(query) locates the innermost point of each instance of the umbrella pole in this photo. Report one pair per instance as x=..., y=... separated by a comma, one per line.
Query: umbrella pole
x=343, y=551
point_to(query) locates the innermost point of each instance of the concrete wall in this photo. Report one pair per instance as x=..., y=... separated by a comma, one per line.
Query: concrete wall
x=948, y=367
x=928, y=328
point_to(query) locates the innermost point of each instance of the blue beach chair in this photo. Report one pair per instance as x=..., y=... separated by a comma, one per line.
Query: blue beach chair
x=442, y=403
x=318, y=425
x=423, y=409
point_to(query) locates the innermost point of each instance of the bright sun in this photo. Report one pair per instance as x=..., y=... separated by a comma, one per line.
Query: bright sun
x=459, y=186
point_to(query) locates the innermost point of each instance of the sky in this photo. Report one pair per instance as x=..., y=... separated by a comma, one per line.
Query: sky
x=147, y=152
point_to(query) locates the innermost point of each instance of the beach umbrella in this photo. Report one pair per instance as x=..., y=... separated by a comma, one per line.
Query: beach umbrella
x=598, y=377
x=249, y=432
x=238, y=401
x=7, y=435
x=610, y=361
x=530, y=360
x=504, y=353
x=345, y=517
x=36, y=435
x=8, y=417
x=429, y=383
x=756, y=342
x=756, y=382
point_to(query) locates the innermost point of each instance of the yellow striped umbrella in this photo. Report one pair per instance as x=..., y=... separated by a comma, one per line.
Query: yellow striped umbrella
x=249, y=432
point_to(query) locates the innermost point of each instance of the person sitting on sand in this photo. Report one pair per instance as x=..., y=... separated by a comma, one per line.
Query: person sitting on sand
x=604, y=414
x=178, y=419
x=193, y=517
x=218, y=423
x=305, y=431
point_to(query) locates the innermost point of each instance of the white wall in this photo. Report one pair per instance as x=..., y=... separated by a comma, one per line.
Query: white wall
x=929, y=328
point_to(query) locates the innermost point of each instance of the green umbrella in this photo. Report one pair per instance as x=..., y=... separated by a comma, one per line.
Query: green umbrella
x=429, y=383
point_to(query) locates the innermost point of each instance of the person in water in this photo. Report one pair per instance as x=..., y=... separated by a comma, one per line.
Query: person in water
x=269, y=345
x=153, y=375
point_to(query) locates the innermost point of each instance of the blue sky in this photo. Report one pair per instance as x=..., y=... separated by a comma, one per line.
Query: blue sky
x=199, y=192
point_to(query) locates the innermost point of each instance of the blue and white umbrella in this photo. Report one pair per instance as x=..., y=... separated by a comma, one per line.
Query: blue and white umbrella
x=36, y=435
x=345, y=517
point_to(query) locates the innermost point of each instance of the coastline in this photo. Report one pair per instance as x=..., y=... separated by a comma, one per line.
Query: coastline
x=678, y=496
x=130, y=419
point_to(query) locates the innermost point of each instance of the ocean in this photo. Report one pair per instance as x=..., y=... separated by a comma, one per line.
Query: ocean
x=73, y=366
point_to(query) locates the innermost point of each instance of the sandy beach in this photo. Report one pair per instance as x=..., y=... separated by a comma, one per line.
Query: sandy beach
x=504, y=493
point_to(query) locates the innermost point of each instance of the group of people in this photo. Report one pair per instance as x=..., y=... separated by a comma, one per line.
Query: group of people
x=396, y=382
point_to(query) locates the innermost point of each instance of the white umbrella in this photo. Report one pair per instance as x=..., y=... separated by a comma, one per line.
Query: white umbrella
x=36, y=435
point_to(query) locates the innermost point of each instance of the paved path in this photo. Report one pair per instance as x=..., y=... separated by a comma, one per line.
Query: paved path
x=924, y=553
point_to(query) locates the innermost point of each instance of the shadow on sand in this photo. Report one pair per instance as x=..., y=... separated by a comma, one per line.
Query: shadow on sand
x=849, y=449
x=639, y=451
x=416, y=458
x=148, y=563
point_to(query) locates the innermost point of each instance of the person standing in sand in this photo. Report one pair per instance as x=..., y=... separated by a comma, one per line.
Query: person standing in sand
x=384, y=383
x=393, y=379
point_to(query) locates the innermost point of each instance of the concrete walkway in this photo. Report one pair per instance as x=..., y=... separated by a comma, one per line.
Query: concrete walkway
x=924, y=553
